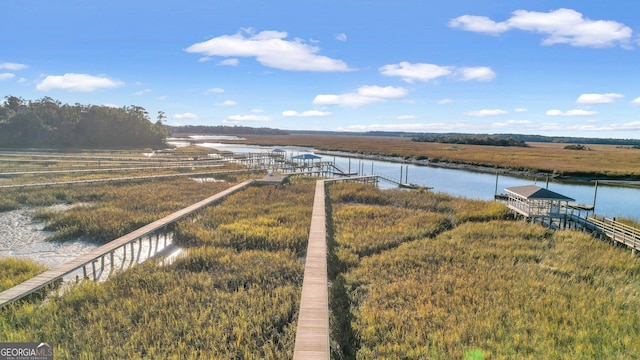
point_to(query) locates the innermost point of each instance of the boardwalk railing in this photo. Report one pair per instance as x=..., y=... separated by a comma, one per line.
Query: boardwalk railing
x=616, y=231
x=87, y=264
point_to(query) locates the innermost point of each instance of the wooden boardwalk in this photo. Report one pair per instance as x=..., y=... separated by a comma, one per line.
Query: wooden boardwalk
x=312, y=336
x=51, y=276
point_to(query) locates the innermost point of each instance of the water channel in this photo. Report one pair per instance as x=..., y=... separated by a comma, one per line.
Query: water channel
x=610, y=201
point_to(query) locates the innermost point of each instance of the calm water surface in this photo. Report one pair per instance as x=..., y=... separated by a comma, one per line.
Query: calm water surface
x=611, y=201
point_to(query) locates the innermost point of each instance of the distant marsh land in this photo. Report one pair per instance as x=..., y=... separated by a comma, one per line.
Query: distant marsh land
x=604, y=161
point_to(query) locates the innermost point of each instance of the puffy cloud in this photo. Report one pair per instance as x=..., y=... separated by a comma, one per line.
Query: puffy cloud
x=186, y=115
x=636, y=101
x=271, y=49
x=427, y=72
x=308, y=113
x=481, y=24
x=229, y=62
x=341, y=37
x=406, y=117
x=521, y=110
x=598, y=98
x=478, y=73
x=142, y=92
x=6, y=76
x=363, y=96
x=420, y=71
x=561, y=26
x=576, y=112
x=242, y=118
x=227, y=103
x=486, y=112
x=77, y=82
x=12, y=66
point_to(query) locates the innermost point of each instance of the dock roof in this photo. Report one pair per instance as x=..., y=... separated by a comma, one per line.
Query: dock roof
x=534, y=192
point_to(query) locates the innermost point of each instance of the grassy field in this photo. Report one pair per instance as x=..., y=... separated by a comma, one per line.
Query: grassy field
x=602, y=160
x=233, y=293
x=474, y=285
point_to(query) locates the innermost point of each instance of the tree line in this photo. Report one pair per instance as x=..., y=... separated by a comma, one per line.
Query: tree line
x=472, y=140
x=224, y=130
x=47, y=123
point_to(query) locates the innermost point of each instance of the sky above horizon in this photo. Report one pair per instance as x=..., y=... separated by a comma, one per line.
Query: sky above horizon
x=555, y=68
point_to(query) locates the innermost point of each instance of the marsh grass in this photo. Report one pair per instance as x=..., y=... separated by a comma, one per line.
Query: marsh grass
x=215, y=301
x=14, y=271
x=277, y=219
x=494, y=288
x=110, y=211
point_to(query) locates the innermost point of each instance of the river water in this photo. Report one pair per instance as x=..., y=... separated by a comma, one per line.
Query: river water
x=610, y=201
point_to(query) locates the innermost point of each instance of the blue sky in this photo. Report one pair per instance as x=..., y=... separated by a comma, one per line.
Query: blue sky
x=569, y=68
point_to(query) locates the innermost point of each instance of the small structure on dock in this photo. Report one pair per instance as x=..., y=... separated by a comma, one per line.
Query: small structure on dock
x=534, y=202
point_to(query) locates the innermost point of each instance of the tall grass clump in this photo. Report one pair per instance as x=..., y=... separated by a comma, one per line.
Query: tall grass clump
x=13, y=271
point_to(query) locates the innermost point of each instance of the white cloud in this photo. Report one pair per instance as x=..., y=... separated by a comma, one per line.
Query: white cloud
x=229, y=62
x=481, y=24
x=257, y=111
x=420, y=71
x=486, y=112
x=561, y=26
x=77, y=82
x=242, y=118
x=598, y=98
x=410, y=127
x=227, y=103
x=308, y=113
x=428, y=72
x=215, y=90
x=520, y=110
x=631, y=126
x=444, y=101
x=576, y=112
x=636, y=101
x=142, y=92
x=341, y=37
x=6, y=76
x=270, y=49
x=186, y=115
x=478, y=73
x=12, y=66
x=406, y=117
x=363, y=96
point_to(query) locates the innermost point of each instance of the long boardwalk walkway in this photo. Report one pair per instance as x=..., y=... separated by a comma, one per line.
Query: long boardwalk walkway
x=312, y=336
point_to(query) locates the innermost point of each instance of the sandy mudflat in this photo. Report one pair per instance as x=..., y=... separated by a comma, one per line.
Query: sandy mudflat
x=21, y=237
